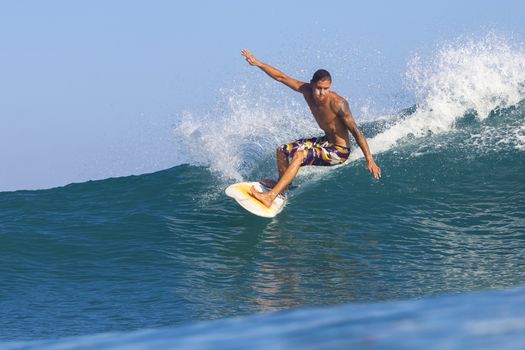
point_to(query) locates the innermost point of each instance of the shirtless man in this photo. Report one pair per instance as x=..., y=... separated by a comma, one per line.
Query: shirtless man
x=331, y=113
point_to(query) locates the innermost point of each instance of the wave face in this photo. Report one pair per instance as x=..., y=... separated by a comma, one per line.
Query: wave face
x=170, y=248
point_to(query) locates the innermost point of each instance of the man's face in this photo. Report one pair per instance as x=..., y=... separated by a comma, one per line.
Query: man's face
x=321, y=89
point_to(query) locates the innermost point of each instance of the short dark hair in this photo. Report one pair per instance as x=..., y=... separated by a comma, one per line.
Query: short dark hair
x=321, y=74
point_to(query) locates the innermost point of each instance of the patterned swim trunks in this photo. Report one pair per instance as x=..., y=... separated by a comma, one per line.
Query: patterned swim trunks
x=317, y=151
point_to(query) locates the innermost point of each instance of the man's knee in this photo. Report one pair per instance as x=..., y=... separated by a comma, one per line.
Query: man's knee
x=298, y=157
x=281, y=154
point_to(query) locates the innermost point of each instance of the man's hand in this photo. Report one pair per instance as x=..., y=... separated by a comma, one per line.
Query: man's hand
x=250, y=58
x=374, y=169
x=274, y=73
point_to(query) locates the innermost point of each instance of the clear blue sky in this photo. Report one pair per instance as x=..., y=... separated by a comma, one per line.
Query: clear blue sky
x=91, y=89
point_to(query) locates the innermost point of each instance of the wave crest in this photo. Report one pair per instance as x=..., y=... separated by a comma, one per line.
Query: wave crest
x=465, y=76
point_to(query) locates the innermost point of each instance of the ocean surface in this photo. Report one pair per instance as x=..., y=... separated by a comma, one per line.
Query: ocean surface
x=169, y=249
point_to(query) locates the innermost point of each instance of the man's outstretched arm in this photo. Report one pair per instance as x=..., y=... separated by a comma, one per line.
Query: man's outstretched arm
x=345, y=114
x=273, y=72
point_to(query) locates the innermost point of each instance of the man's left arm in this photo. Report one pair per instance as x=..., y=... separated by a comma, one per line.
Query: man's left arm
x=346, y=116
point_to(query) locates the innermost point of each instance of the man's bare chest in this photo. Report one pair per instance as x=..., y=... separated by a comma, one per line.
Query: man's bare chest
x=324, y=115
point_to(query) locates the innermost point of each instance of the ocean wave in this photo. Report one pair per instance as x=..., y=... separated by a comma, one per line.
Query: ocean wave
x=465, y=77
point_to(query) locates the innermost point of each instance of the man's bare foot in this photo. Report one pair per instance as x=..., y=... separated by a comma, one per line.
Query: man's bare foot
x=265, y=198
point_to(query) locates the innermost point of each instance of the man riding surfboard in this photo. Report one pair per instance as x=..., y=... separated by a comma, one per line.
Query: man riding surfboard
x=332, y=114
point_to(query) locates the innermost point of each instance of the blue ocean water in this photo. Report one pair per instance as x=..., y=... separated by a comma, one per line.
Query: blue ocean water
x=170, y=249
x=486, y=320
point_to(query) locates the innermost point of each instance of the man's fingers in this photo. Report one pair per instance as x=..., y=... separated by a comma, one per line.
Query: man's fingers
x=249, y=57
x=376, y=172
x=247, y=54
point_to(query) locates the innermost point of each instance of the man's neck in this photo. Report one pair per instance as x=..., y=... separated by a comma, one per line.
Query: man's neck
x=322, y=103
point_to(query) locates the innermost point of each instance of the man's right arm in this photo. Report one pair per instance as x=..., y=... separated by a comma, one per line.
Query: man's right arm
x=273, y=72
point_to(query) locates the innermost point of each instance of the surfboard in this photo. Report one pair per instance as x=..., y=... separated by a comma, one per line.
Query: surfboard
x=241, y=193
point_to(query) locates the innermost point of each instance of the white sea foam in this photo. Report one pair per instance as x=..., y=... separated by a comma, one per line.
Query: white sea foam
x=519, y=134
x=242, y=131
x=466, y=76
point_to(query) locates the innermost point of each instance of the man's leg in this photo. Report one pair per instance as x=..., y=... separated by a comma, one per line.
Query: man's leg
x=282, y=162
x=287, y=177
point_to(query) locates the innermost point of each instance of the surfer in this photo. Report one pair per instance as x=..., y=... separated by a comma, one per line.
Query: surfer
x=332, y=114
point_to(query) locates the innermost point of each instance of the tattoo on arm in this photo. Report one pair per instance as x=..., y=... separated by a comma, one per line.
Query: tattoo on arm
x=344, y=109
x=345, y=114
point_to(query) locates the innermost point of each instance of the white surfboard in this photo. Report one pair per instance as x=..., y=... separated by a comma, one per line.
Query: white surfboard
x=241, y=193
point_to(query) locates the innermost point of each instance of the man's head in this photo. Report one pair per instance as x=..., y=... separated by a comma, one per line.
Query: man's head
x=321, y=74
x=321, y=83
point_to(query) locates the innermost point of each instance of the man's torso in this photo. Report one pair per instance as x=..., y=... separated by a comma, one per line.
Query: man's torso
x=326, y=116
